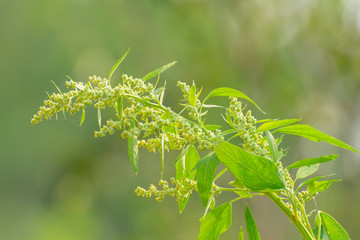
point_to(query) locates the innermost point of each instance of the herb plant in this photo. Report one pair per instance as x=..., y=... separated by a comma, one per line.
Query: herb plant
x=255, y=163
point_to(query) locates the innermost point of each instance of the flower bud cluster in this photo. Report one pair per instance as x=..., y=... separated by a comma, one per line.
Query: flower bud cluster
x=184, y=88
x=142, y=115
x=180, y=188
x=193, y=111
x=253, y=141
x=289, y=183
x=305, y=196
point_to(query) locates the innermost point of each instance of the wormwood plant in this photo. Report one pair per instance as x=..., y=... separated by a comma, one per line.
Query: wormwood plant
x=255, y=163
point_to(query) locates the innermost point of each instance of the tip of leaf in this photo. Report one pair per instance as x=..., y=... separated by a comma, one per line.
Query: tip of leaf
x=117, y=64
x=158, y=71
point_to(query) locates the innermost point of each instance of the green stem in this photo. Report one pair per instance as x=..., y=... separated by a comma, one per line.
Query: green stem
x=303, y=211
x=306, y=233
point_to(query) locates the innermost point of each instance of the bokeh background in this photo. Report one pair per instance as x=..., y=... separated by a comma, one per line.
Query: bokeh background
x=294, y=58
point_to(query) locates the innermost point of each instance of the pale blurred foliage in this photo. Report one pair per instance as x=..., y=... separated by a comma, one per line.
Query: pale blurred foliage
x=294, y=58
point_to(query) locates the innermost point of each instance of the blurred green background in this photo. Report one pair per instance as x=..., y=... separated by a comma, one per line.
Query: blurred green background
x=294, y=58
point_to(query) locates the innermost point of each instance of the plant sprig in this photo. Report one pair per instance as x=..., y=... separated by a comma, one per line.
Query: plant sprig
x=255, y=162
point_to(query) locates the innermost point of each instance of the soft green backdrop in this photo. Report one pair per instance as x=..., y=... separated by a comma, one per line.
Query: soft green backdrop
x=294, y=58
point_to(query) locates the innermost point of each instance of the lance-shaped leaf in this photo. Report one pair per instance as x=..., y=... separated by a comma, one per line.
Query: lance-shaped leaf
x=184, y=168
x=273, y=146
x=212, y=127
x=241, y=234
x=119, y=109
x=133, y=152
x=306, y=171
x=256, y=173
x=82, y=116
x=334, y=231
x=312, y=161
x=319, y=186
x=320, y=235
x=205, y=169
x=229, y=92
x=311, y=180
x=158, y=71
x=276, y=124
x=117, y=64
x=315, y=135
x=182, y=154
x=215, y=222
x=251, y=229
x=192, y=95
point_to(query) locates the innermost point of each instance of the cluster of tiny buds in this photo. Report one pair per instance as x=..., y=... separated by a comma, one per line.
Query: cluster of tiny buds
x=184, y=89
x=253, y=141
x=289, y=183
x=180, y=188
x=289, y=206
x=193, y=111
x=305, y=196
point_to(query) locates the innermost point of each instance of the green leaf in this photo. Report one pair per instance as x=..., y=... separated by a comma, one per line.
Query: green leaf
x=251, y=229
x=266, y=120
x=56, y=86
x=215, y=222
x=321, y=235
x=82, y=116
x=119, y=108
x=211, y=106
x=184, y=168
x=274, y=152
x=229, y=92
x=187, y=164
x=227, y=132
x=133, y=152
x=312, y=161
x=333, y=229
x=158, y=71
x=192, y=95
x=311, y=180
x=161, y=98
x=212, y=127
x=212, y=203
x=256, y=173
x=182, y=154
x=315, y=135
x=241, y=234
x=276, y=124
x=118, y=63
x=319, y=186
x=306, y=171
x=205, y=169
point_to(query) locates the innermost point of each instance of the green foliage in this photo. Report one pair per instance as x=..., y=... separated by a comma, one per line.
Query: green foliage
x=319, y=186
x=256, y=173
x=330, y=228
x=205, y=176
x=251, y=228
x=229, y=92
x=185, y=171
x=158, y=71
x=315, y=135
x=254, y=159
x=276, y=124
x=312, y=161
x=215, y=222
x=133, y=152
x=306, y=171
